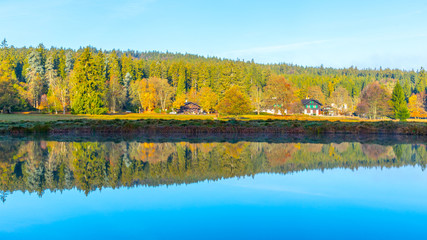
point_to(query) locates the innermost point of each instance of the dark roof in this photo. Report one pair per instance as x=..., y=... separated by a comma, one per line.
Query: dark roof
x=187, y=103
x=307, y=102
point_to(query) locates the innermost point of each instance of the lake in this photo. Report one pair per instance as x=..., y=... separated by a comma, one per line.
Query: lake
x=212, y=190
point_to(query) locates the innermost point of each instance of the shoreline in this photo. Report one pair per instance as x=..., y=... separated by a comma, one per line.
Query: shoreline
x=191, y=127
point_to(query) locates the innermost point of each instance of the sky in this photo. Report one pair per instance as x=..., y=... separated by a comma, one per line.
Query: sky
x=365, y=34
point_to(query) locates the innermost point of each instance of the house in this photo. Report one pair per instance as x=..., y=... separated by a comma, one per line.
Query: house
x=190, y=108
x=311, y=106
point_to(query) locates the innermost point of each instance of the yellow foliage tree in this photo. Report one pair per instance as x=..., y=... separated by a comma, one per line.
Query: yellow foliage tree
x=179, y=101
x=144, y=93
x=415, y=106
x=193, y=96
x=208, y=99
x=148, y=97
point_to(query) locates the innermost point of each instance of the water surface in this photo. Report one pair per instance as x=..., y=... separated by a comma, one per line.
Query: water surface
x=212, y=190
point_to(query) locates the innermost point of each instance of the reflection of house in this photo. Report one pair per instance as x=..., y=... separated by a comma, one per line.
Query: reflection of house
x=311, y=106
x=190, y=108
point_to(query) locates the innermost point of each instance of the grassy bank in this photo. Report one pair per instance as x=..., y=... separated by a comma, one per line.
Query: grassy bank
x=201, y=124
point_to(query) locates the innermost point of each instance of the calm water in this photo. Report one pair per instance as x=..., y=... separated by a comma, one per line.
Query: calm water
x=182, y=190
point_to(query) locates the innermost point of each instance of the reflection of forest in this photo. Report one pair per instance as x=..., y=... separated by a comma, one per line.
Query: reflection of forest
x=36, y=166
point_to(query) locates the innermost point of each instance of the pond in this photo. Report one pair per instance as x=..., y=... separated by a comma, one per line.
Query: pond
x=212, y=190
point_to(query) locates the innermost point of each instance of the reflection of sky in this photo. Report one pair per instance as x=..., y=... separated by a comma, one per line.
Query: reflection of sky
x=340, y=203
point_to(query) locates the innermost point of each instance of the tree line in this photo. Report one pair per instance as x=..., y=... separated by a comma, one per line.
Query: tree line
x=94, y=81
x=36, y=166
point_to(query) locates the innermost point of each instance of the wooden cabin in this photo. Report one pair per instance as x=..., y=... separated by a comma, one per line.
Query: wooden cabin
x=190, y=108
x=312, y=106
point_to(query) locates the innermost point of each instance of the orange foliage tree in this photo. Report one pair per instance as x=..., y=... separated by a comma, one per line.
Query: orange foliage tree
x=416, y=106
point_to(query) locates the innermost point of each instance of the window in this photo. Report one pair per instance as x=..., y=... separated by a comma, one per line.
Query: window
x=315, y=106
x=307, y=106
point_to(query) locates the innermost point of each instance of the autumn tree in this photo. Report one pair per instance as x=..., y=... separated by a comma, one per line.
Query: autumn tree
x=340, y=99
x=279, y=93
x=179, y=101
x=208, y=99
x=144, y=94
x=315, y=92
x=416, y=106
x=400, y=107
x=193, y=96
x=234, y=102
x=256, y=96
x=374, y=101
x=57, y=87
x=164, y=91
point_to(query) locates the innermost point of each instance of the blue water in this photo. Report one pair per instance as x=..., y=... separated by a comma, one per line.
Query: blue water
x=368, y=203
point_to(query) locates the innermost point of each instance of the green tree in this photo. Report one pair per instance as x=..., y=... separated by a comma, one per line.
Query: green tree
x=400, y=107
x=9, y=96
x=116, y=91
x=420, y=87
x=234, y=102
x=88, y=85
x=35, y=76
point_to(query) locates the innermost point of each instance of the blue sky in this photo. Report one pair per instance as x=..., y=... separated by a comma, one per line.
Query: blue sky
x=366, y=34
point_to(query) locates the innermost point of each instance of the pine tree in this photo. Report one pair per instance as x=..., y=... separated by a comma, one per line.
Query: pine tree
x=88, y=84
x=181, y=87
x=126, y=84
x=35, y=76
x=116, y=93
x=400, y=106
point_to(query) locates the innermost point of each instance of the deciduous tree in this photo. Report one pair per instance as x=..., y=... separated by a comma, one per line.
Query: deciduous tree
x=279, y=93
x=208, y=99
x=234, y=102
x=374, y=101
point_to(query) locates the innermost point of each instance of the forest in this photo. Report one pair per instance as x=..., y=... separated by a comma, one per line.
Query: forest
x=37, y=166
x=96, y=81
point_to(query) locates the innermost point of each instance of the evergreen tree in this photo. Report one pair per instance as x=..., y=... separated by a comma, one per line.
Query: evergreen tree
x=35, y=76
x=126, y=84
x=181, y=87
x=400, y=106
x=88, y=84
x=116, y=92
x=420, y=87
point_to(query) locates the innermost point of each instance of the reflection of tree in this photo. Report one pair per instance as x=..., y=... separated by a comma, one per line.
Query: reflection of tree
x=90, y=167
x=342, y=147
x=37, y=166
x=3, y=196
x=278, y=154
x=375, y=151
